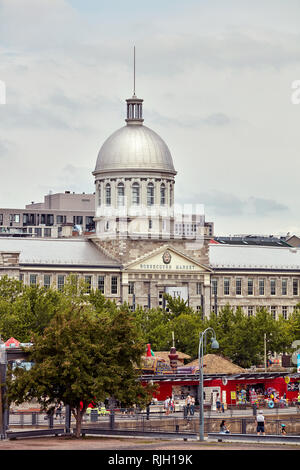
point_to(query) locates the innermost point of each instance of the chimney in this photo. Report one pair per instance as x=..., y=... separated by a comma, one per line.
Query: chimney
x=173, y=356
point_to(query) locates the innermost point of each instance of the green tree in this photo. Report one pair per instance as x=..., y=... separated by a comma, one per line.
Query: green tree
x=176, y=306
x=28, y=310
x=82, y=356
x=154, y=326
x=187, y=327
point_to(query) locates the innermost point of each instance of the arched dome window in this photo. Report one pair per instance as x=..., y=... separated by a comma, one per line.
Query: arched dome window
x=135, y=194
x=162, y=194
x=121, y=194
x=108, y=194
x=99, y=194
x=150, y=194
x=171, y=194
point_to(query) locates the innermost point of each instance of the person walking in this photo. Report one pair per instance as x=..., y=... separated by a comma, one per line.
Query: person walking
x=188, y=404
x=58, y=411
x=218, y=404
x=167, y=405
x=172, y=405
x=192, y=406
x=260, y=421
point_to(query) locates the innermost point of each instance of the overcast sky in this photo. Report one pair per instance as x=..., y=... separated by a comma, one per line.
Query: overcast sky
x=216, y=78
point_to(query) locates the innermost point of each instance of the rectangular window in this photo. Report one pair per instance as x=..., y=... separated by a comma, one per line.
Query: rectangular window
x=198, y=287
x=47, y=281
x=89, y=223
x=226, y=286
x=88, y=283
x=60, y=282
x=273, y=311
x=261, y=284
x=114, y=285
x=33, y=279
x=250, y=311
x=284, y=312
x=38, y=232
x=130, y=288
x=47, y=232
x=101, y=284
x=61, y=219
x=21, y=277
x=214, y=309
x=238, y=286
x=283, y=286
x=14, y=218
x=78, y=220
x=250, y=286
x=295, y=287
x=273, y=286
x=214, y=287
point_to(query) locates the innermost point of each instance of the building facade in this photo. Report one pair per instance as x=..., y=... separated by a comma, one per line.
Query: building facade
x=56, y=217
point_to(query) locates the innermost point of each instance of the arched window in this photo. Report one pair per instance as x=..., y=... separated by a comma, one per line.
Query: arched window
x=135, y=194
x=171, y=194
x=121, y=194
x=162, y=194
x=108, y=194
x=150, y=194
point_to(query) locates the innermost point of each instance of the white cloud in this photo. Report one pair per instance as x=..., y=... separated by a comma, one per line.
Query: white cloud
x=217, y=87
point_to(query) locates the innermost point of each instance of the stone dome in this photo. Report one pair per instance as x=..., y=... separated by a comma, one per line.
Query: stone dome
x=134, y=147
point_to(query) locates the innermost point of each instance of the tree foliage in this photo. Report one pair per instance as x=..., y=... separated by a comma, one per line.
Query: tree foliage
x=86, y=347
x=82, y=356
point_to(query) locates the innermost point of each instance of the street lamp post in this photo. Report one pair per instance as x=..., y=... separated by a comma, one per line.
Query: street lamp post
x=214, y=345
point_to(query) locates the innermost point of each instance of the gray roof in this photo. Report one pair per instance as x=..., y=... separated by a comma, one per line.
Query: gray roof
x=134, y=147
x=79, y=252
x=263, y=257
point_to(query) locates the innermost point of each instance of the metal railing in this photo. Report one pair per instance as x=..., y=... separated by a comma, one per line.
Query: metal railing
x=150, y=421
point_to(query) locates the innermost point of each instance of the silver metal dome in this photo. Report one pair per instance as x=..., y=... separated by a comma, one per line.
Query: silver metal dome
x=134, y=147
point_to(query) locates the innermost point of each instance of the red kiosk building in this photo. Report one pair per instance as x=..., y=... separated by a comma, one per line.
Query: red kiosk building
x=235, y=386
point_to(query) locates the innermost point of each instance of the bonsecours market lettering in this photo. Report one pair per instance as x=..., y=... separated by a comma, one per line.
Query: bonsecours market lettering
x=168, y=267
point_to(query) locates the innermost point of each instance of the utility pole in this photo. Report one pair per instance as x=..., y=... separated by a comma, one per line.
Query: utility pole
x=265, y=348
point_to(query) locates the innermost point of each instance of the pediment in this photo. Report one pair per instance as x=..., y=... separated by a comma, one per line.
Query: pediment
x=166, y=259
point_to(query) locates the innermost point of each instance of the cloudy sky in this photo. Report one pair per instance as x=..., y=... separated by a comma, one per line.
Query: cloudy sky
x=216, y=78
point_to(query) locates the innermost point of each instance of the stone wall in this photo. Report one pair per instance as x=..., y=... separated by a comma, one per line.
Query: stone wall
x=127, y=250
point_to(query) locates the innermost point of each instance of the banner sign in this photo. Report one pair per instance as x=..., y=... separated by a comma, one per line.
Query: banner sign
x=293, y=387
x=178, y=292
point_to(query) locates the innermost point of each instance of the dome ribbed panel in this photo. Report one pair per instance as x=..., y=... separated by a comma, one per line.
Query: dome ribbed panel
x=134, y=147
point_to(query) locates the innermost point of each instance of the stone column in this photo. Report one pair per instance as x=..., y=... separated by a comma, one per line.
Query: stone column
x=206, y=295
x=153, y=294
x=124, y=287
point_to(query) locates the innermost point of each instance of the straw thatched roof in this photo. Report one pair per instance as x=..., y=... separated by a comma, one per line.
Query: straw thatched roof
x=165, y=355
x=214, y=364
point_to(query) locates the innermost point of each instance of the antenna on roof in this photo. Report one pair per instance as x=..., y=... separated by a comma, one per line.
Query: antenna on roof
x=133, y=70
